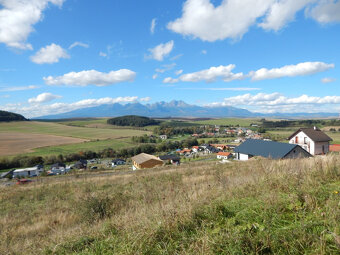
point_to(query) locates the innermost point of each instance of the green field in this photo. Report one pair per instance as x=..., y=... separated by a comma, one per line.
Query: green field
x=98, y=138
x=228, y=122
x=69, y=131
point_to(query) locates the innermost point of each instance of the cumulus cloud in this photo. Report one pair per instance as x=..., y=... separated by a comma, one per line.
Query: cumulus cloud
x=35, y=110
x=306, y=68
x=325, y=12
x=226, y=74
x=209, y=75
x=91, y=77
x=161, y=51
x=49, y=54
x=327, y=80
x=17, y=18
x=282, y=12
x=43, y=98
x=155, y=76
x=278, y=102
x=80, y=44
x=233, y=18
x=20, y=88
x=222, y=89
x=153, y=26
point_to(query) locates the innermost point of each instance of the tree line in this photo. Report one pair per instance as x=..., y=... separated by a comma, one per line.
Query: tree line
x=28, y=161
x=10, y=116
x=132, y=121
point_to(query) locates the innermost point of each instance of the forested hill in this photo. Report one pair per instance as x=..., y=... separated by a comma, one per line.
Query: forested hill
x=10, y=116
x=133, y=121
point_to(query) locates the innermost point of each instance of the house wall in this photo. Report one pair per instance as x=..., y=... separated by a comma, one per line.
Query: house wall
x=241, y=156
x=309, y=145
x=148, y=164
x=298, y=152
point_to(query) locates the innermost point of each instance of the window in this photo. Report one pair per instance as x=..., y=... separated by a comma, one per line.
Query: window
x=305, y=140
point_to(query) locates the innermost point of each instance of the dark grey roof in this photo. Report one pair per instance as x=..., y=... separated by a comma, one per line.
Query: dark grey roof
x=267, y=149
x=118, y=160
x=313, y=133
x=169, y=157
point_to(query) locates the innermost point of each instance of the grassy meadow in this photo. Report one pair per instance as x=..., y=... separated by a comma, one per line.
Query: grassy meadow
x=97, y=138
x=255, y=207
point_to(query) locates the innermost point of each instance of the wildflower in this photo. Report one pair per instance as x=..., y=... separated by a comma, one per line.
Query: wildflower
x=336, y=192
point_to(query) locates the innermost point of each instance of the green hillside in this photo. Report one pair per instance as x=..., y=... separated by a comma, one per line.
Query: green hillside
x=10, y=116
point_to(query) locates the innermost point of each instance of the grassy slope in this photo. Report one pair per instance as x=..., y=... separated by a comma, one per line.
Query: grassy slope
x=101, y=138
x=256, y=207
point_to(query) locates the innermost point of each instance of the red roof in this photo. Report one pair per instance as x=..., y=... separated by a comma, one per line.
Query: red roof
x=226, y=154
x=195, y=147
x=334, y=147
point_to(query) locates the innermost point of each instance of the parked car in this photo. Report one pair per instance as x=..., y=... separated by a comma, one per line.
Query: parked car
x=24, y=181
x=94, y=167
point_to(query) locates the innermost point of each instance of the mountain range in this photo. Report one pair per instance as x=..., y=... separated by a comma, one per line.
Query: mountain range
x=174, y=109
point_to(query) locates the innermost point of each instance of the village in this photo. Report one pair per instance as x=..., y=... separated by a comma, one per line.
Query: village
x=248, y=144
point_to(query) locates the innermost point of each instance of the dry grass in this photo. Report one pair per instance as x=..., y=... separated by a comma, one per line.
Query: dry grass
x=12, y=143
x=258, y=207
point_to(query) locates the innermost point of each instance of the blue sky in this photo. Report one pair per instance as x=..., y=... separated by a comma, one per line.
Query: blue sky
x=262, y=55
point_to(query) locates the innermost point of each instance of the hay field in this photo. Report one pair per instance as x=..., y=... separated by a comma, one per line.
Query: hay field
x=12, y=143
x=48, y=138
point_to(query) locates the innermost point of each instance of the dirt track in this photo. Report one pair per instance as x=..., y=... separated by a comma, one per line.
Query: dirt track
x=12, y=143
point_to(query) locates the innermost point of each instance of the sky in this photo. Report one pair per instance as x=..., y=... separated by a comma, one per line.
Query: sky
x=262, y=55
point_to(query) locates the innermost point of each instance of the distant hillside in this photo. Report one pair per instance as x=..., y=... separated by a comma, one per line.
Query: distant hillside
x=133, y=121
x=10, y=116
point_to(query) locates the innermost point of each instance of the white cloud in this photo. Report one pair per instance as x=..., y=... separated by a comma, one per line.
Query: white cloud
x=233, y=18
x=170, y=80
x=326, y=11
x=209, y=75
x=327, y=80
x=145, y=99
x=161, y=51
x=49, y=55
x=306, y=68
x=21, y=88
x=43, y=98
x=91, y=77
x=35, y=110
x=176, y=57
x=80, y=44
x=154, y=77
x=277, y=102
x=153, y=26
x=282, y=12
x=204, y=52
x=17, y=18
x=178, y=72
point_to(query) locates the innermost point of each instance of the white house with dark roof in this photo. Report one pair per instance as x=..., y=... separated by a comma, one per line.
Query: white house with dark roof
x=312, y=140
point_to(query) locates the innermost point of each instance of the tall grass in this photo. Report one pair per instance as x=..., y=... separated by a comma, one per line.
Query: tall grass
x=255, y=207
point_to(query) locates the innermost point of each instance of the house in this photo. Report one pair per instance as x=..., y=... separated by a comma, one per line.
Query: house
x=170, y=159
x=312, y=140
x=144, y=160
x=118, y=162
x=185, y=151
x=224, y=155
x=81, y=164
x=269, y=149
x=221, y=147
x=58, y=168
x=210, y=149
x=195, y=149
x=28, y=172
